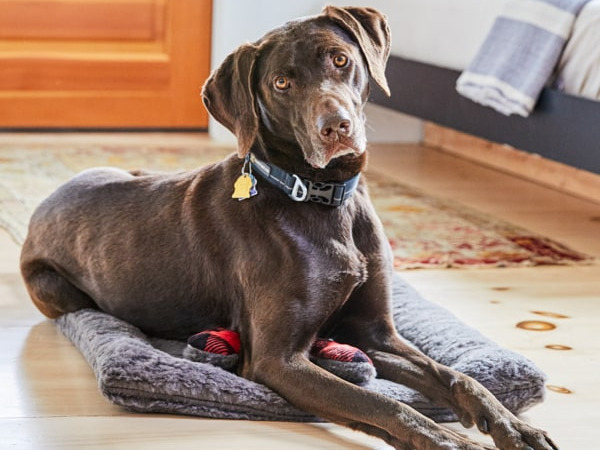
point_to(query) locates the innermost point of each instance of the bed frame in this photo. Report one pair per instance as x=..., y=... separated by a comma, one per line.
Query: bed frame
x=562, y=127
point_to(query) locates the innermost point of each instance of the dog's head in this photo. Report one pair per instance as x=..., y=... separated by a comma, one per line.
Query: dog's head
x=304, y=84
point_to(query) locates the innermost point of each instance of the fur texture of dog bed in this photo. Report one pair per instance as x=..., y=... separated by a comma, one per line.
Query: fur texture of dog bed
x=145, y=374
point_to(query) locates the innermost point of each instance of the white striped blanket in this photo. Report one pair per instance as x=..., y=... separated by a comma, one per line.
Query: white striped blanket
x=519, y=54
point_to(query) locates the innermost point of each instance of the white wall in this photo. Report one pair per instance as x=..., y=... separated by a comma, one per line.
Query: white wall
x=239, y=21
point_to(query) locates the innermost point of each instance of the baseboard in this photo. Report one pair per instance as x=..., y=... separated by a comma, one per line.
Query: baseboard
x=508, y=159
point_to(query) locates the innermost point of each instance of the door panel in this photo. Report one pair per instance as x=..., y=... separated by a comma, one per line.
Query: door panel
x=103, y=63
x=43, y=19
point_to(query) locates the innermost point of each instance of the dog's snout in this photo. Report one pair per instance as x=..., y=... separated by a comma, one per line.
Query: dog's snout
x=334, y=126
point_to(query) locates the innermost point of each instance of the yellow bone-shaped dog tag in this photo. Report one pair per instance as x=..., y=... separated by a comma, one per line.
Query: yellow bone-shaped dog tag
x=242, y=187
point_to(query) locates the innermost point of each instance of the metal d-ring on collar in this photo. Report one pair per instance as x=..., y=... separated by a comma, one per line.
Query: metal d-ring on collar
x=302, y=190
x=299, y=191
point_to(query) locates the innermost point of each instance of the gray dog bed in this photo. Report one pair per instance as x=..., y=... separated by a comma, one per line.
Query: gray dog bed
x=145, y=374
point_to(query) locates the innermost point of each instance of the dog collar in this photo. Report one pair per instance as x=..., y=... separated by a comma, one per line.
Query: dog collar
x=303, y=190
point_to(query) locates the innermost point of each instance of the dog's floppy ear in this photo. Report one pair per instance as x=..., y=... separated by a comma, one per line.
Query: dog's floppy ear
x=228, y=95
x=370, y=29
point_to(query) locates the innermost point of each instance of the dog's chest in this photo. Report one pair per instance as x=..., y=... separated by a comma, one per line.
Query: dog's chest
x=327, y=252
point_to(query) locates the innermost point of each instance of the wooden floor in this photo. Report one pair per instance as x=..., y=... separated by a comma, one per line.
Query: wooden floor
x=49, y=398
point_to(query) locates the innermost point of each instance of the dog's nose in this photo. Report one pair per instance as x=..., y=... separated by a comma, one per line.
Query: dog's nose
x=334, y=126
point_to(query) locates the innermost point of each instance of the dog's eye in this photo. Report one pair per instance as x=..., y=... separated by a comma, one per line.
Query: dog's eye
x=340, y=60
x=281, y=83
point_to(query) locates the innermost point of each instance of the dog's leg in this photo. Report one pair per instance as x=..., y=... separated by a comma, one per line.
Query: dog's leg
x=315, y=390
x=369, y=327
x=52, y=293
x=276, y=355
x=473, y=404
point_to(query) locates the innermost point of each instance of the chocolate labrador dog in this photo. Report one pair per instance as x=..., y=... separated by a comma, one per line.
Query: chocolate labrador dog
x=297, y=253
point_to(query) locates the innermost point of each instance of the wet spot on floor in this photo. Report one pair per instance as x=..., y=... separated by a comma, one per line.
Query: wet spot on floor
x=558, y=347
x=550, y=314
x=536, y=325
x=559, y=389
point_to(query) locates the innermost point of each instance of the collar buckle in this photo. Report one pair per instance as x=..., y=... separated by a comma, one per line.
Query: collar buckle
x=326, y=193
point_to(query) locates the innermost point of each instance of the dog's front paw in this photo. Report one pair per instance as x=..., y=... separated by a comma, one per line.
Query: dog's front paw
x=510, y=433
x=477, y=406
x=515, y=434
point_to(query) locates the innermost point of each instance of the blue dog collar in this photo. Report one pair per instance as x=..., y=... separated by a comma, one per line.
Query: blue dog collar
x=303, y=190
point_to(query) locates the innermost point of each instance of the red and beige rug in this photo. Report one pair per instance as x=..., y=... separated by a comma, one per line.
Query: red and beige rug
x=424, y=232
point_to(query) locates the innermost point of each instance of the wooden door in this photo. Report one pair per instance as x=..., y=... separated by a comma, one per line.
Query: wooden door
x=103, y=63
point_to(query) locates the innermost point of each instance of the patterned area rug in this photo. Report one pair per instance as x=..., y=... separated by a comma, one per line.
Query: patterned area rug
x=424, y=232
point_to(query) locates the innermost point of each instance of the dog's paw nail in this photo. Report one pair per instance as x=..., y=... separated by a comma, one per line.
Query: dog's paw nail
x=466, y=420
x=483, y=426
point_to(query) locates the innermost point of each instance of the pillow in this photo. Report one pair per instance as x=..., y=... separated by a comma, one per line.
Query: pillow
x=145, y=374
